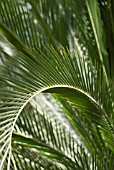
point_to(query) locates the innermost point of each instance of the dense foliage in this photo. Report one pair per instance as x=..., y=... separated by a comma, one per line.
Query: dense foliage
x=56, y=84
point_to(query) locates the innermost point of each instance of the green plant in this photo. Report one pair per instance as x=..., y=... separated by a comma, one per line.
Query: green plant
x=56, y=84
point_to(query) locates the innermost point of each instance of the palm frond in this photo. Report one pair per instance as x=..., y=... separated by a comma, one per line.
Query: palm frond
x=107, y=15
x=90, y=31
x=46, y=135
x=29, y=79
x=81, y=84
x=22, y=23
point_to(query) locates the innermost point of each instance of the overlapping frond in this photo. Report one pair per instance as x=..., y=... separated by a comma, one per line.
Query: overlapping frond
x=48, y=133
x=37, y=72
x=90, y=31
x=21, y=23
x=81, y=84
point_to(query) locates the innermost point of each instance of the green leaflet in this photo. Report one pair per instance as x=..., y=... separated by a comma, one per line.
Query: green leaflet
x=73, y=76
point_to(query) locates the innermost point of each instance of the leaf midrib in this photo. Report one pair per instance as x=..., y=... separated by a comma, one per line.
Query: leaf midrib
x=97, y=42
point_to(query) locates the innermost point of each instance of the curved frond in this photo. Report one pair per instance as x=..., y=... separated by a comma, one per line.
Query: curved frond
x=81, y=80
x=37, y=72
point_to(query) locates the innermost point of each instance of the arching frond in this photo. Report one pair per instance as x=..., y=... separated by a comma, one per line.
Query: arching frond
x=37, y=72
x=81, y=79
